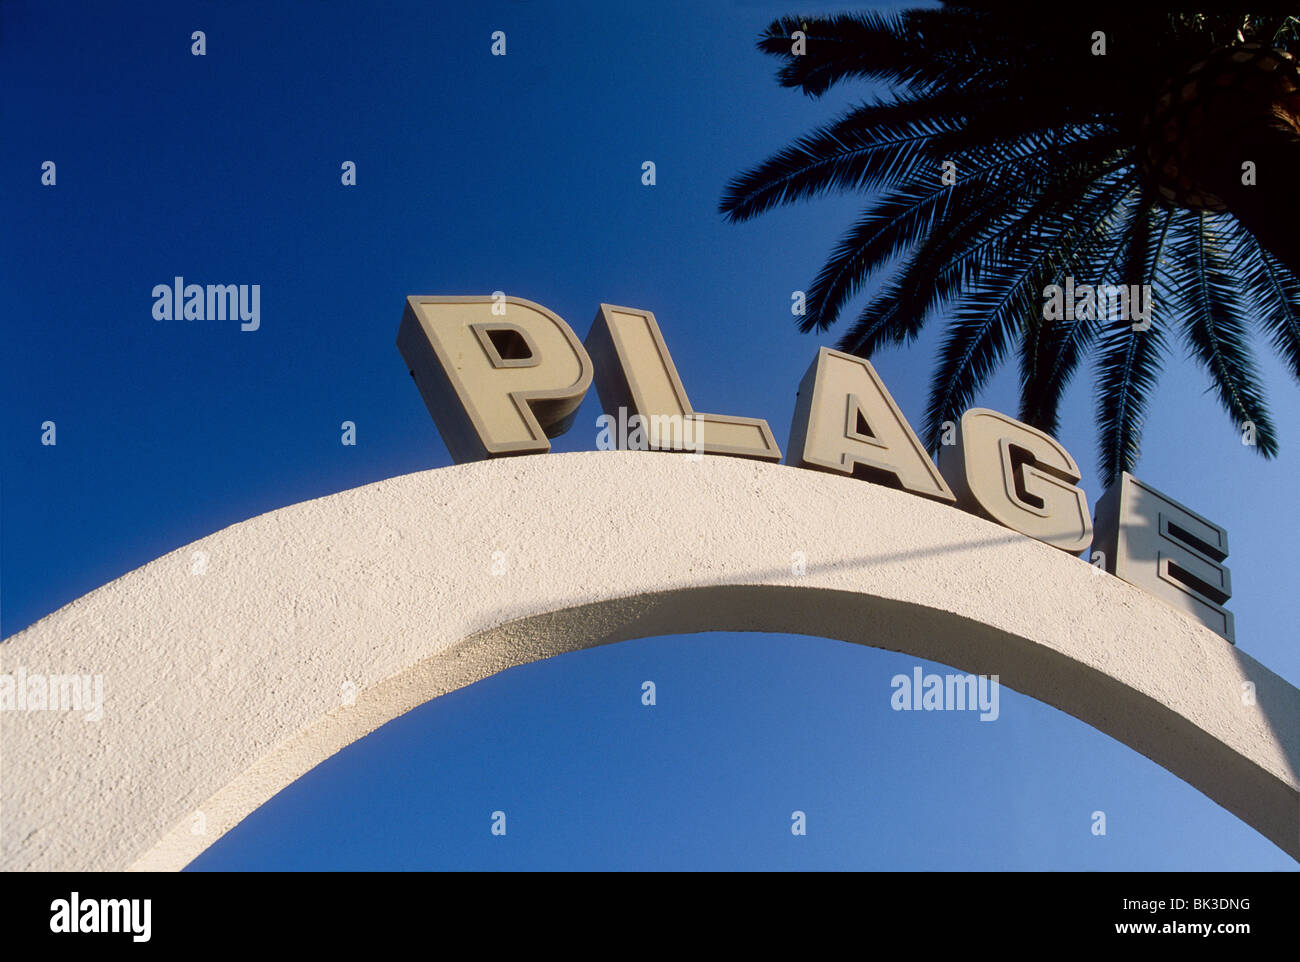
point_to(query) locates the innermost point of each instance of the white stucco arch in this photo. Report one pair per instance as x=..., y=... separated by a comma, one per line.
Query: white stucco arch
x=221, y=688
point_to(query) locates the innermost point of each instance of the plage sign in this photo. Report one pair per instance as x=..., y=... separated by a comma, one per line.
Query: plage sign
x=501, y=375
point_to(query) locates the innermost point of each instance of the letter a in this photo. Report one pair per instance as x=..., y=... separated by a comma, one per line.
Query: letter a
x=846, y=422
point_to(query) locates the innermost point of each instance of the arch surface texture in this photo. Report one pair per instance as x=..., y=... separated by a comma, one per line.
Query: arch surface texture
x=221, y=688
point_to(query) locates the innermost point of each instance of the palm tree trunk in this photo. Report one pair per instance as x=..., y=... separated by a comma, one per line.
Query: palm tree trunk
x=1270, y=207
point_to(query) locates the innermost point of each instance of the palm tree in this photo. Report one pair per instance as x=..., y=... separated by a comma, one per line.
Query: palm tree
x=1103, y=144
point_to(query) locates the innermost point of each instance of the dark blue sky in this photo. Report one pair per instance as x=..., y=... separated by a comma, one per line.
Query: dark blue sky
x=520, y=173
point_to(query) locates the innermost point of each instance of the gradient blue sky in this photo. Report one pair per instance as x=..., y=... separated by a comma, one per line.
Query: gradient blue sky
x=521, y=173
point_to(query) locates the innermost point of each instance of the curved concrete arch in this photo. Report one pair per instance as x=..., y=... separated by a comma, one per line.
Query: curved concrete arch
x=226, y=663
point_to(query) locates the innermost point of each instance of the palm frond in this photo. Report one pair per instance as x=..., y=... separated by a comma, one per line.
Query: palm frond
x=1215, y=327
x=1275, y=295
x=870, y=46
x=976, y=340
x=1048, y=145
x=1051, y=349
x=870, y=145
x=906, y=218
x=1129, y=360
x=955, y=253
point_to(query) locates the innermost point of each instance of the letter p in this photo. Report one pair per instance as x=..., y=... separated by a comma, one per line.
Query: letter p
x=495, y=385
